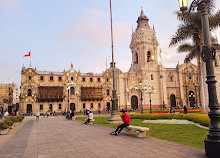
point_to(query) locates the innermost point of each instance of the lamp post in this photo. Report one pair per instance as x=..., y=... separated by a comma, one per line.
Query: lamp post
x=68, y=101
x=127, y=99
x=150, y=91
x=212, y=142
x=141, y=89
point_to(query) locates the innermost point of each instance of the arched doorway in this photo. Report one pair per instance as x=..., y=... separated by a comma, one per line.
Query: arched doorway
x=10, y=109
x=29, y=108
x=72, y=107
x=192, y=99
x=51, y=107
x=173, y=100
x=134, y=102
x=108, y=105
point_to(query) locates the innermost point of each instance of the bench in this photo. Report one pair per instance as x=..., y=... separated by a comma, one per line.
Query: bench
x=91, y=122
x=74, y=118
x=141, y=131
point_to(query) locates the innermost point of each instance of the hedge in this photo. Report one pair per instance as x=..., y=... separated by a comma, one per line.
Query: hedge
x=176, y=110
x=9, y=121
x=202, y=119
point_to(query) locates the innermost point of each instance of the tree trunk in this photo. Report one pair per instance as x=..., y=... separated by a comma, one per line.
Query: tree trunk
x=204, y=89
x=203, y=85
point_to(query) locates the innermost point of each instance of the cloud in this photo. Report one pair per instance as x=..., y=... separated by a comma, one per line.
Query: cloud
x=14, y=6
x=94, y=30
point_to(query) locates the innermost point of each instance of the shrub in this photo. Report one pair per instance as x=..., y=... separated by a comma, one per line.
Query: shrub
x=9, y=122
x=20, y=118
x=202, y=119
x=1, y=123
x=4, y=126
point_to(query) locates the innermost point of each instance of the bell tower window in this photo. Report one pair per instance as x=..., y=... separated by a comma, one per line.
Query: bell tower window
x=29, y=92
x=136, y=58
x=72, y=91
x=149, y=56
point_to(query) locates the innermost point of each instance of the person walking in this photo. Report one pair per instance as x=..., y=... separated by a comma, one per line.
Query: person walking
x=71, y=115
x=126, y=120
x=37, y=115
x=185, y=110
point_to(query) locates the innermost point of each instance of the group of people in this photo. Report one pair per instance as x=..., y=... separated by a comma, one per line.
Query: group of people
x=171, y=110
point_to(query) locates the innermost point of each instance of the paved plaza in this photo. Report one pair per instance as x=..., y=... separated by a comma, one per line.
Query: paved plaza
x=58, y=137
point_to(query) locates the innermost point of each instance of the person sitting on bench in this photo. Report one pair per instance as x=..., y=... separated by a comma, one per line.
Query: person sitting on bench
x=90, y=117
x=126, y=120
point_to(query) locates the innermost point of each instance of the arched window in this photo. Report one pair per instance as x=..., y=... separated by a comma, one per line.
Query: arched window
x=171, y=78
x=152, y=77
x=148, y=56
x=51, y=107
x=41, y=107
x=29, y=92
x=190, y=76
x=136, y=58
x=72, y=91
x=107, y=92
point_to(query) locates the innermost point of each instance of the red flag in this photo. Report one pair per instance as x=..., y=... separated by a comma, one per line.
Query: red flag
x=28, y=55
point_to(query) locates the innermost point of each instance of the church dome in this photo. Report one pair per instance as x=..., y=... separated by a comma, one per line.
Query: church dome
x=109, y=70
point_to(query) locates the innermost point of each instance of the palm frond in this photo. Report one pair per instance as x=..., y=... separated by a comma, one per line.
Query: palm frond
x=214, y=21
x=187, y=47
x=183, y=33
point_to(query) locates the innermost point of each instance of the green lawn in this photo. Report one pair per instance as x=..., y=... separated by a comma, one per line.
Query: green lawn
x=184, y=134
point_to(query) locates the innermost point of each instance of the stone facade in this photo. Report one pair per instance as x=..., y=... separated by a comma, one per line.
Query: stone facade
x=9, y=96
x=146, y=81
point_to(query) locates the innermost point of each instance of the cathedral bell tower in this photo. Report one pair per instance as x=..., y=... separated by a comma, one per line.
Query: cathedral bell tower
x=143, y=45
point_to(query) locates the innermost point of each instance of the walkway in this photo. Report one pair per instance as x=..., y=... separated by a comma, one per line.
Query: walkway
x=60, y=138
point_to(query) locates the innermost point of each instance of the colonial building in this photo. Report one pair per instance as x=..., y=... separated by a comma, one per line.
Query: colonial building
x=9, y=96
x=147, y=83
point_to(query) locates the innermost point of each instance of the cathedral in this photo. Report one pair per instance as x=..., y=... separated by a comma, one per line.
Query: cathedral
x=146, y=85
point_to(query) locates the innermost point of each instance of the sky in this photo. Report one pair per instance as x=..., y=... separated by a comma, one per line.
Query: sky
x=59, y=32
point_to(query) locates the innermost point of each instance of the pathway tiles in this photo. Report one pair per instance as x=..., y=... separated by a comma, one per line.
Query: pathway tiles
x=60, y=138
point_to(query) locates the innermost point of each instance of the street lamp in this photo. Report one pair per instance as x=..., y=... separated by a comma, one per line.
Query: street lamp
x=212, y=142
x=150, y=91
x=141, y=89
x=68, y=100
x=127, y=99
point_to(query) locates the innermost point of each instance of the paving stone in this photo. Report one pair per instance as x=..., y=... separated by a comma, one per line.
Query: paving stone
x=57, y=137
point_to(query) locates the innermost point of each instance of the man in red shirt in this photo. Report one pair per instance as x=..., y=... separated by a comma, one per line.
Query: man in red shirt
x=126, y=120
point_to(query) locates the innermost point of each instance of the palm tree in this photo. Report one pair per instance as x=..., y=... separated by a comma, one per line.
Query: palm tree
x=191, y=28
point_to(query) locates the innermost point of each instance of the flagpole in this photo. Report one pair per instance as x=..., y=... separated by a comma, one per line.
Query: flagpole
x=30, y=58
x=115, y=115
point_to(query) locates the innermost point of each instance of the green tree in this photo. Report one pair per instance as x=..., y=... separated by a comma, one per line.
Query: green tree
x=190, y=32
